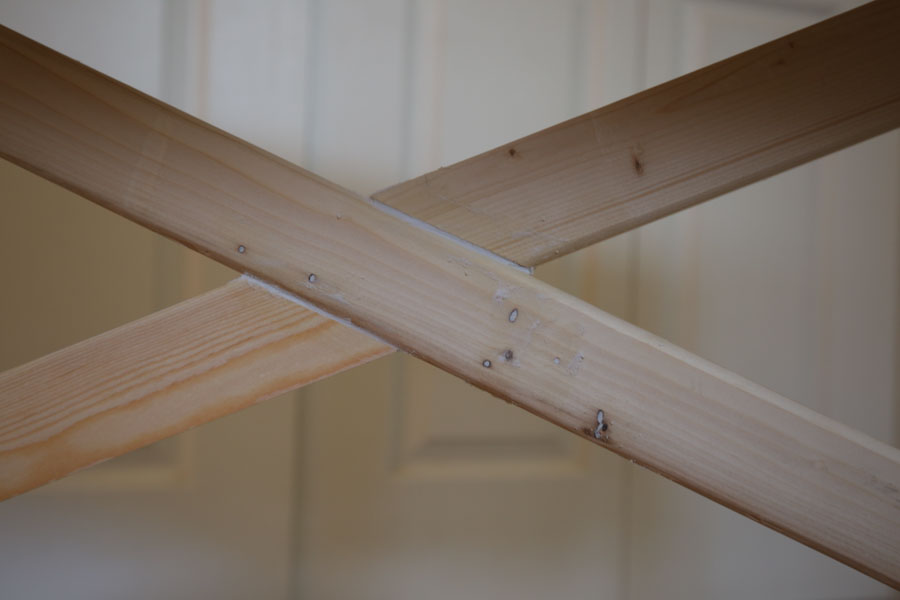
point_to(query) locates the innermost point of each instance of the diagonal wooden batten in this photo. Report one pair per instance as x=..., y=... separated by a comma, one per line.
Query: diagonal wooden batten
x=667, y=148
x=564, y=360
x=198, y=360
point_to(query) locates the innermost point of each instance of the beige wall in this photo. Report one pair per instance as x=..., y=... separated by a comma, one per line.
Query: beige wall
x=396, y=480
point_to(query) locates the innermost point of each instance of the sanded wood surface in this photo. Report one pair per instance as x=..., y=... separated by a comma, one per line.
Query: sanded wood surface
x=667, y=148
x=491, y=324
x=198, y=360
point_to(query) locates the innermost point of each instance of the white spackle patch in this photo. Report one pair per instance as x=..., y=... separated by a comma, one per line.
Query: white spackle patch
x=523, y=337
x=503, y=292
x=575, y=364
x=459, y=260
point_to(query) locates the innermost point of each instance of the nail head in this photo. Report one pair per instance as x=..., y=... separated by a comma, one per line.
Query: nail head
x=602, y=426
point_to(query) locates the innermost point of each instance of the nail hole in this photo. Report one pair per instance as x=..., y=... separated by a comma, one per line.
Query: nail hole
x=312, y=278
x=508, y=355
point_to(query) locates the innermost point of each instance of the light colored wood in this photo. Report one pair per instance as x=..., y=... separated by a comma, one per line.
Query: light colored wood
x=196, y=361
x=667, y=148
x=450, y=304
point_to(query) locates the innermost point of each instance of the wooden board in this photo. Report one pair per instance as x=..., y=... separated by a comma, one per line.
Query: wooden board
x=455, y=307
x=198, y=360
x=667, y=148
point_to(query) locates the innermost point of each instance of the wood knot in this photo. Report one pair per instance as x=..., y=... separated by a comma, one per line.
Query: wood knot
x=636, y=162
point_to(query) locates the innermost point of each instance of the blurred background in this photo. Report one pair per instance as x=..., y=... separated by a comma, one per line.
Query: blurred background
x=395, y=480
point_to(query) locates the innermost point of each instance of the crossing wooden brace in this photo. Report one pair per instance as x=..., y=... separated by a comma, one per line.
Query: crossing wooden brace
x=432, y=267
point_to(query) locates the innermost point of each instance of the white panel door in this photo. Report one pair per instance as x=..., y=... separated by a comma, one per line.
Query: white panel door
x=396, y=480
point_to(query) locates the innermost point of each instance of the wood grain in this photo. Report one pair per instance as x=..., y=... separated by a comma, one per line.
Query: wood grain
x=561, y=359
x=196, y=361
x=696, y=137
